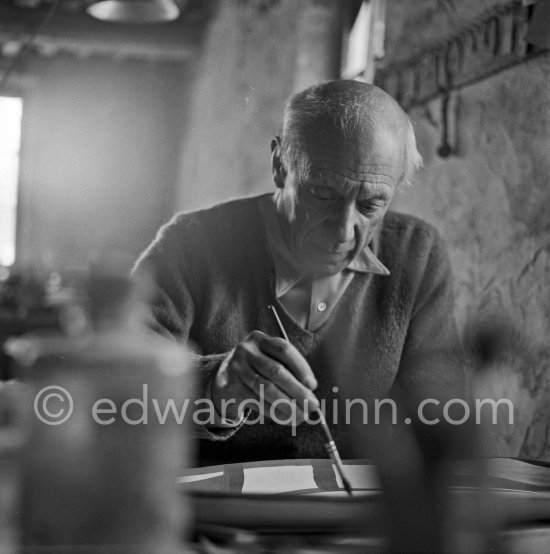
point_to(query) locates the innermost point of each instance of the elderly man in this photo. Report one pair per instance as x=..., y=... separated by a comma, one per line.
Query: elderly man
x=364, y=294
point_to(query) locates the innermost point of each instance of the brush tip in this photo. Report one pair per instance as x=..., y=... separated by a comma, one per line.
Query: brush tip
x=347, y=486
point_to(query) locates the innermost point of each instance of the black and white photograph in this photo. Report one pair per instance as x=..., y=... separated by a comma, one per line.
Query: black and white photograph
x=274, y=276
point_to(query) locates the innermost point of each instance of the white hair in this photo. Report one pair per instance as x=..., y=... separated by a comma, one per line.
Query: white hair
x=346, y=109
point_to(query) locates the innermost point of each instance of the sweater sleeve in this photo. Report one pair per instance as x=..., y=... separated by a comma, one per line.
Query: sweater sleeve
x=431, y=381
x=171, y=262
x=432, y=363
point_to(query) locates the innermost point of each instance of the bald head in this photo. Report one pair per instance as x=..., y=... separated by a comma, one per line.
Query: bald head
x=345, y=111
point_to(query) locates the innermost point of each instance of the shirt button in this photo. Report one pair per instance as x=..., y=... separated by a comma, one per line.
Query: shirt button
x=321, y=307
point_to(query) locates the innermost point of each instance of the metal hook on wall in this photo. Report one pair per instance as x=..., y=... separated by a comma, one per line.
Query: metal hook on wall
x=454, y=56
x=492, y=27
x=445, y=149
x=417, y=79
x=472, y=35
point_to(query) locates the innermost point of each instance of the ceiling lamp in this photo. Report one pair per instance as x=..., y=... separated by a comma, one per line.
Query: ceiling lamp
x=134, y=11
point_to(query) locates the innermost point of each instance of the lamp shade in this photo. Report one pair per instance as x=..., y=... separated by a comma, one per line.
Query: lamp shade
x=134, y=11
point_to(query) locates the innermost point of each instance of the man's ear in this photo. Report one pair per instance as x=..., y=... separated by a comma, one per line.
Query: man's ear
x=277, y=166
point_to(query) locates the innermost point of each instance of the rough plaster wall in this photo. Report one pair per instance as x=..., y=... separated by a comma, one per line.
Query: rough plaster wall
x=431, y=20
x=246, y=75
x=491, y=204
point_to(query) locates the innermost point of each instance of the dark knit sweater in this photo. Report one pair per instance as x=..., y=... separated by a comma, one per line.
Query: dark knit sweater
x=215, y=280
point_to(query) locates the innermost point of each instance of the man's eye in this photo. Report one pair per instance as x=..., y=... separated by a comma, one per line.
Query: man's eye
x=321, y=192
x=372, y=206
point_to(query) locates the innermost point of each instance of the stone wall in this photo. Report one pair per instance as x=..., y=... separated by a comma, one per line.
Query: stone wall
x=411, y=25
x=490, y=202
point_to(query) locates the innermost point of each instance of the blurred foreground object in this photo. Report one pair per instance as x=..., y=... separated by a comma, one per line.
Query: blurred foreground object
x=415, y=459
x=103, y=449
x=11, y=442
x=504, y=359
x=25, y=305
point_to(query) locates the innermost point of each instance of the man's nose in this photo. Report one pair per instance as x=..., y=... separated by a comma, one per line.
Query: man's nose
x=344, y=224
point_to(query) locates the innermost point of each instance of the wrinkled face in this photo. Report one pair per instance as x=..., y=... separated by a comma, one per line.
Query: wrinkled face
x=340, y=202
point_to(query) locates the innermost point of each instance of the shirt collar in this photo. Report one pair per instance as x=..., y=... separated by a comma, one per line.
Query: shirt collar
x=287, y=272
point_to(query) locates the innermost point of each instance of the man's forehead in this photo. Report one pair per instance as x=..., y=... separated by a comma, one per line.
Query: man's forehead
x=372, y=146
x=372, y=180
x=344, y=164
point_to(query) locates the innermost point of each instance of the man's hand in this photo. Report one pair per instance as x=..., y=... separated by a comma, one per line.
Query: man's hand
x=269, y=369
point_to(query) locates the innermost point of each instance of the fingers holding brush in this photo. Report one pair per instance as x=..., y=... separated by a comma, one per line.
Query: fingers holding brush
x=270, y=370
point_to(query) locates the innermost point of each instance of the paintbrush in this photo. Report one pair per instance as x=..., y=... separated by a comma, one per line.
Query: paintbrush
x=330, y=445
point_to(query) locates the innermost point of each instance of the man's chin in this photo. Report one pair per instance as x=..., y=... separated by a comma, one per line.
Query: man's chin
x=322, y=263
x=327, y=268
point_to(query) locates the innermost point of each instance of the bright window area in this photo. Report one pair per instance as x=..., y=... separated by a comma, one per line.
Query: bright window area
x=11, y=110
